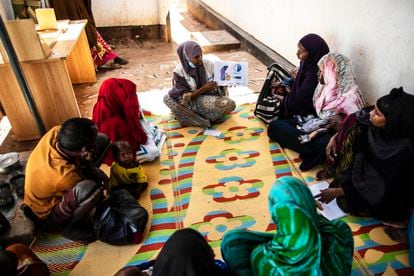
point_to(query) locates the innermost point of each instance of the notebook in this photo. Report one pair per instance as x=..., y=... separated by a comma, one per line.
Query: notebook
x=331, y=210
x=46, y=19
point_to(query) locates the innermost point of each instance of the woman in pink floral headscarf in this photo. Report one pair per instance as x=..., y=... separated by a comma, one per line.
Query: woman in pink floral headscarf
x=337, y=91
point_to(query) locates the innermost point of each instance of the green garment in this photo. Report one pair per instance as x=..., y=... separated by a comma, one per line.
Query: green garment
x=305, y=243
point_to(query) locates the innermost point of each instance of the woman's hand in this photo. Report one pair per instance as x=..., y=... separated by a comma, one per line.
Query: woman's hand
x=279, y=97
x=331, y=149
x=208, y=86
x=319, y=205
x=278, y=89
x=327, y=195
x=317, y=132
x=293, y=72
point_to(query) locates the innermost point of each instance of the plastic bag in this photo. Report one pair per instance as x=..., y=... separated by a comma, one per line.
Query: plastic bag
x=120, y=219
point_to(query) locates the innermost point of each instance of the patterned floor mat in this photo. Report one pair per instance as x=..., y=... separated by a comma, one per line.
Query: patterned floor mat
x=214, y=184
x=375, y=252
x=61, y=255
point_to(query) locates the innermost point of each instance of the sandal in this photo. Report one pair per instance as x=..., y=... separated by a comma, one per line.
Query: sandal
x=120, y=61
x=16, y=180
x=4, y=224
x=110, y=66
x=6, y=196
x=396, y=234
x=9, y=161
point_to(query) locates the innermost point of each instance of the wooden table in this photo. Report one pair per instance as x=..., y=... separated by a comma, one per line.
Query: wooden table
x=50, y=81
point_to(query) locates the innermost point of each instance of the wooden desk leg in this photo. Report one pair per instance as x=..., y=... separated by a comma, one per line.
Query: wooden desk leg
x=21, y=119
x=80, y=63
x=52, y=91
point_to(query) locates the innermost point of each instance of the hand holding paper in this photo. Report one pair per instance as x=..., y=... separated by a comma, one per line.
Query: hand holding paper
x=331, y=209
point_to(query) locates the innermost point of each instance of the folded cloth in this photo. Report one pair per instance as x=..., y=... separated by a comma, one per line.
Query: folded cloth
x=152, y=149
x=310, y=123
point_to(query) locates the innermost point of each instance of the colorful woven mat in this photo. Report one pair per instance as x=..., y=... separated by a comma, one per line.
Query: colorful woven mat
x=214, y=184
x=375, y=252
x=60, y=254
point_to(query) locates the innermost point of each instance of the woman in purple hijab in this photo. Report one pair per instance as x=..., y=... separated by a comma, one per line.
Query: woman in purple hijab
x=195, y=98
x=299, y=101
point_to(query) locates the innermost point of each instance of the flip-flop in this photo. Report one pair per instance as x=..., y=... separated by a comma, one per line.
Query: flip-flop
x=110, y=66
x=120, y=61
x=4, y=223
x=16, y=180
x=6, y=196
x=9, y=161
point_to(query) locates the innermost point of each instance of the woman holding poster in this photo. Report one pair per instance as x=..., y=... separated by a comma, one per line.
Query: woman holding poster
x=195, y=98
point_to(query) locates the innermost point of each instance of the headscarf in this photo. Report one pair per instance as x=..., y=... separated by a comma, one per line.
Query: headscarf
x=398, y=109
x=339, y=93
x=383, y=158
x=304, y=242
x=186, y=253
x=117, y=113
x=299, y=100
x=186, y=52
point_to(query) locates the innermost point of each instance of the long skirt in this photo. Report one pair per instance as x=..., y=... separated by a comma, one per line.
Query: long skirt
x=101, y=52
x=287, y=135
x=202, y=112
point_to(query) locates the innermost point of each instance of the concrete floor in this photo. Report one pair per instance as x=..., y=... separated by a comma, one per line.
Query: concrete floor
x=150, y=66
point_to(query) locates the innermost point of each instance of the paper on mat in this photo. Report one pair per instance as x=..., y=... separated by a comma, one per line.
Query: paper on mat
x=230, y=73
x=212, y=132
x=331, y=210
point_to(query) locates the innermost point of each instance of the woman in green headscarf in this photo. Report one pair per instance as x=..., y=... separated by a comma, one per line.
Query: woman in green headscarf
x=304, y=242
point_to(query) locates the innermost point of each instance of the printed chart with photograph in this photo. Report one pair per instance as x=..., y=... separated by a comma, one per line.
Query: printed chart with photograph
x=230, y=73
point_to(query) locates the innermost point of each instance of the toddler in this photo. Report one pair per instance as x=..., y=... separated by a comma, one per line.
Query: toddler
x=126, y=172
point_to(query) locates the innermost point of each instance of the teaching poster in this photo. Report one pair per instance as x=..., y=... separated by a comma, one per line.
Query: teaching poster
x=230, y=73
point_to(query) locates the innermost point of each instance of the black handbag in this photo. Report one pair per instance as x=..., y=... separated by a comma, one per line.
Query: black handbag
x=268, y=106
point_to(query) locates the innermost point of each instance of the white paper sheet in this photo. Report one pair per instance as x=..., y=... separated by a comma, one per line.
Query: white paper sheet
x=331, y=210
x=212, y=132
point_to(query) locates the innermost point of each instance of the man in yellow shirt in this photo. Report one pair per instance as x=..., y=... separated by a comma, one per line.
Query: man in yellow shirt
x=62, y=184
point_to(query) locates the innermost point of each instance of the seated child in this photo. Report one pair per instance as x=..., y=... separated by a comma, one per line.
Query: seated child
x=126, y=172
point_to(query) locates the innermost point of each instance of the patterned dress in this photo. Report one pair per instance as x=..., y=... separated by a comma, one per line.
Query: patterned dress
x=205, y=109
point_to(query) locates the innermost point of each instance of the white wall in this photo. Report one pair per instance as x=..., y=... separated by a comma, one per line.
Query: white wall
x=129, y=12
x=6, y=10
x=378, y=35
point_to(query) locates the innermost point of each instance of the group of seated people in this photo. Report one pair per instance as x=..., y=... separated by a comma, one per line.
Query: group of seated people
x=367, y=151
